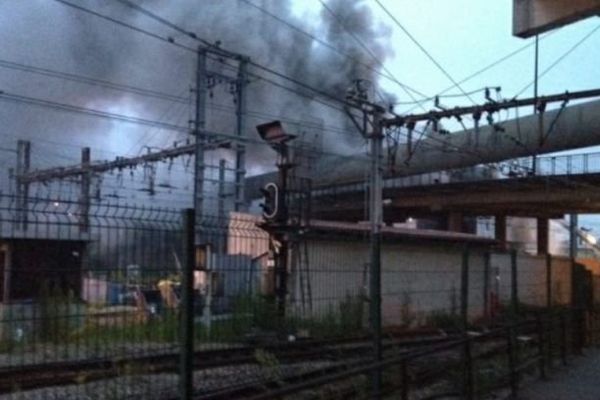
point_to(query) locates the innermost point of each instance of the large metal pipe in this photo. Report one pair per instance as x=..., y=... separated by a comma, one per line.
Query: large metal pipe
x=574, y=127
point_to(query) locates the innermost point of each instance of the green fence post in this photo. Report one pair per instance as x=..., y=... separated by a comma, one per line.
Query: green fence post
x=486, y=286
x=512, y=367
x=549, y=281
x=549, y=305
x=468, y=384
x=464, y=289
x=405, y=380
x=186, y=366
x=563, y=338
x=541, y=342
x=514, y=284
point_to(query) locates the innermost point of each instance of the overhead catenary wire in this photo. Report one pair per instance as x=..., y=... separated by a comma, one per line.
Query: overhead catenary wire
x=57, y=0
x=311, y=91
x=216, y=48
x=129, y=119
x=329, y=46
x=440, y=96
x=560, y=59
x=137, y=90
x=91, y=81
x=358, y=40
x=166, y=22
x=491, y=65
x=423, y=49
x=89, y=111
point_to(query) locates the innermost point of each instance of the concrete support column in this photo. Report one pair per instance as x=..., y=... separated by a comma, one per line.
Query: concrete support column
x=500, y=228
x=455, y=221
x=543, y=233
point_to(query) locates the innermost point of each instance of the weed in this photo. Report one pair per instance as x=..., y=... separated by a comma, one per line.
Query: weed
x=270, y=366
x=407, y=315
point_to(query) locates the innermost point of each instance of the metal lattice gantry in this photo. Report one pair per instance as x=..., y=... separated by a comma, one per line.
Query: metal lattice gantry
x=207, y=78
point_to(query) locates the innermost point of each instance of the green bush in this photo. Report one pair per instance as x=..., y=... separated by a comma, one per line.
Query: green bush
x=58, y=317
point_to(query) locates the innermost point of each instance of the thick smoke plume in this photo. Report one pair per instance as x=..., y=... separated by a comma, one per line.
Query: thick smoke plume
x=81, y=44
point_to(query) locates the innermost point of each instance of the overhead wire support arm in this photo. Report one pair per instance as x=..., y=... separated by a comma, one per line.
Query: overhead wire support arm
x=120, y=163
x=358, y=96
x=554, y=121
x=489, y=107
x=360, y=126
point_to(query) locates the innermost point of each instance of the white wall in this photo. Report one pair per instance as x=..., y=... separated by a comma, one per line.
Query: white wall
x=531, y=278
x=417, y=280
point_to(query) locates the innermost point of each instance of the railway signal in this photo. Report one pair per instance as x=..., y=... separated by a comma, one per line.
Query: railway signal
x=271, y=201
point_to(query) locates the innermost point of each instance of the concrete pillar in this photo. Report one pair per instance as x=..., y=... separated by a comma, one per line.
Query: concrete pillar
x=455, y=221
x=543, y=233
x=500, y=228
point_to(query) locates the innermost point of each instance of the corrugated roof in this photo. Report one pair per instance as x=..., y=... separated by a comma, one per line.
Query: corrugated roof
x=249, y=221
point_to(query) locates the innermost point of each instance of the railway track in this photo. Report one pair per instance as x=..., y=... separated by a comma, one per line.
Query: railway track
x=429, y=364
x=34, y=376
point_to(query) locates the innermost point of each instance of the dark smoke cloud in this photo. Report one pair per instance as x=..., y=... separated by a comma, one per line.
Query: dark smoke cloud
x=48, y=34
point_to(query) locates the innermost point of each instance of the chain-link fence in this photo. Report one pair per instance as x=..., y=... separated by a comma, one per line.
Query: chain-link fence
x=96, y=307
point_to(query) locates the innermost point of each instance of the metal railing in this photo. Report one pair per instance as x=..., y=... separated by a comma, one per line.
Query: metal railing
x=559, y=166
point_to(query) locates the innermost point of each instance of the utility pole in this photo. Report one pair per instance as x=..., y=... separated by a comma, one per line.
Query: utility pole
x=84, y=197
x=376, y=221
x=200, y=137
x=22, y=187
x=358, y=95
x=535, y=95
x=221, y=245
x=240, y=149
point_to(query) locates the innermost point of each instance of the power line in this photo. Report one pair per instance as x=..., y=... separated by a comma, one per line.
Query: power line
x=327, y=45
x=317, y=39
x=177, y=118
x=89, y=111
x=447, y=96
x=90, y=81
x=560, y=59
x=170, y=40
x=423, y=49
x=341, y=22
x=491, y=65
x=276, y=72
x=129, y=119
x=135, y=90
x=218, y=49
x=166, y=22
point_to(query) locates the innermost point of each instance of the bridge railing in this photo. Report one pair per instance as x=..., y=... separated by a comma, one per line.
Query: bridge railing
x=571, y=164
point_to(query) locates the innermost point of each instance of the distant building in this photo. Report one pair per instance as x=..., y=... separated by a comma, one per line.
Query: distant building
x=31, y=267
